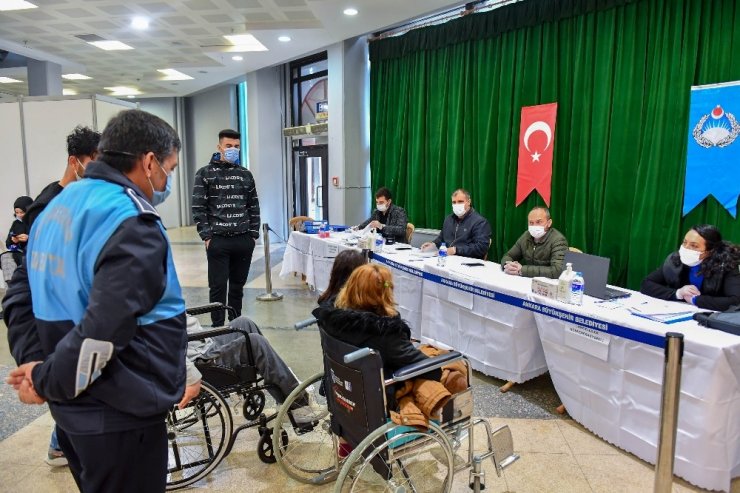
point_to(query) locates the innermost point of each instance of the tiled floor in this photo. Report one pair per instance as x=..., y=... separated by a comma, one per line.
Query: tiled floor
x=557, y=454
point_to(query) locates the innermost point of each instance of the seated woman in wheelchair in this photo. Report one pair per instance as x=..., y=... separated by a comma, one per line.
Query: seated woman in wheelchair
x=365, y=316
x=230, y=350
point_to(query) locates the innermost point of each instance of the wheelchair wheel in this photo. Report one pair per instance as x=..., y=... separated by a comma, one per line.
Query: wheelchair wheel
x=403, y=460
x=198, y=437
x=265, y=446
x=310, y=455
x=254, y=404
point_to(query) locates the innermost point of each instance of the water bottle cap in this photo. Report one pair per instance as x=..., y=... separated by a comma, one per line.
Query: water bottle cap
x=442, y=244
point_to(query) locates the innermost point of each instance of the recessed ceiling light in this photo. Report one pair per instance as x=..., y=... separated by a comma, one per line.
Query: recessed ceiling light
x=244, y=42
x=16, y=5
x=122, y=90
x=130, y=96
x=69, y=92
x=111, y=45
x=237, y=58
x=140, y=23
x=350, y=11
x=8, y=80
x=172, y=74
x=284, y=39
x=75, y=77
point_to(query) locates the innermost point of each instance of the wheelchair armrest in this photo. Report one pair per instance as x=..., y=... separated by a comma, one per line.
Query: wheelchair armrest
x=210, y=307
x=198, y=336
x=414, y=370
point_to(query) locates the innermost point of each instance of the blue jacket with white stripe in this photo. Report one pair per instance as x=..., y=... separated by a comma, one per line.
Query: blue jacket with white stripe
x=108, y=308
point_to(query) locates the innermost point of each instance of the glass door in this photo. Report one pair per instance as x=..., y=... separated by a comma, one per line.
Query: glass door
x=310, y=191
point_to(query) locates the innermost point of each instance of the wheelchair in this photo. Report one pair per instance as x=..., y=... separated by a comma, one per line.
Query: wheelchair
x=203, y=433
x=350, y=402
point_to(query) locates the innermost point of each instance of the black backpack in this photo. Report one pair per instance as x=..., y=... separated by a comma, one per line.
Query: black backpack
x=727, y=321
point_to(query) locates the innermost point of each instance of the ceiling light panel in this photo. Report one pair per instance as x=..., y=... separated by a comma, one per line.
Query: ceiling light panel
x=123, y=91
x=172, y=74
x=8, y=80
x=75, y=77
x=244, y=42
x=140, y=23
x=8, y=5
x=111, y=45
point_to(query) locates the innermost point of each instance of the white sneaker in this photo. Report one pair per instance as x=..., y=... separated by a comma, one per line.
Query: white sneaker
x=55, y=458
x=307, y=414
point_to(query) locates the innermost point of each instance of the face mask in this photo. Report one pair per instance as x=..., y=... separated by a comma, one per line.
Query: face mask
x=458, y=209
x=83, y=169
x=159, y=197
x=689, y=258
x=231, y=154
x=537, y=232
x=18, y=218
x=382, y=207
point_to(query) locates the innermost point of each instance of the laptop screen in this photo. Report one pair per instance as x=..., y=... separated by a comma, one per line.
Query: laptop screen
x=595, y=271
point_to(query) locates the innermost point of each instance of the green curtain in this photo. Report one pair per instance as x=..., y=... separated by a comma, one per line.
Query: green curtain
x=446, y=115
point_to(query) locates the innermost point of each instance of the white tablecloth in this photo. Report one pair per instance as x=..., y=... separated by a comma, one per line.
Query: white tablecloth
x=498, y=339
x=613, y=386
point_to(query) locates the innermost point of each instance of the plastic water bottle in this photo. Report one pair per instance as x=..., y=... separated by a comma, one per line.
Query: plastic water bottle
x=379, y=241
x=576, y=289
x=442, y=255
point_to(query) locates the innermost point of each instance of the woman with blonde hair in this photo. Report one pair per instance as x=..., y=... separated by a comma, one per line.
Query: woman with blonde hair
x=365, y=315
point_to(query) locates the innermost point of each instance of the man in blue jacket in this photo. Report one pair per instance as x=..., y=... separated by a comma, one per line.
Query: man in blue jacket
x=105, y=341
x=465, y=232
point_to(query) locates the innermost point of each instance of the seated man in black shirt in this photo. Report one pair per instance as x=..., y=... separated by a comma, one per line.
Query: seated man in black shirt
x=388, y=218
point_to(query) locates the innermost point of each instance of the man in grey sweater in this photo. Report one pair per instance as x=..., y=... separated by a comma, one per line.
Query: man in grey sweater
x=540, y=251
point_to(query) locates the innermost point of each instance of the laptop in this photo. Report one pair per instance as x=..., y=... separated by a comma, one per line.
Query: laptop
x=595, y=270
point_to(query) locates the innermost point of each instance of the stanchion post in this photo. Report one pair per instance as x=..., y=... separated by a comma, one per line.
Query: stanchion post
x=268, y=295
x=669, y=412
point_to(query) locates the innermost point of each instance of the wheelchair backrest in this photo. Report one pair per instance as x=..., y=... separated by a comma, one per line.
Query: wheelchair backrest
x=8, y=265
x=354, y=391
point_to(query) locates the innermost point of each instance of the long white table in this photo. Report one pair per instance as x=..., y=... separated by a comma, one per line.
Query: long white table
x=606, y=364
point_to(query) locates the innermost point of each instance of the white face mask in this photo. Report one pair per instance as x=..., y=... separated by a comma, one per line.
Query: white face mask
x=83, y=169
x=381, y=207
x=689, y=258
x=537, y=232
x=458, y=209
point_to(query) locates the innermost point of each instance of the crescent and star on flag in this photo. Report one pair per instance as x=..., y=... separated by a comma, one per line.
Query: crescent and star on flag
x=538, y=126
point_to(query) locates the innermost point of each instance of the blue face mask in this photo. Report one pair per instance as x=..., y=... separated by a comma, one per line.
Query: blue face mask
x=159, y=197
x=231, y=154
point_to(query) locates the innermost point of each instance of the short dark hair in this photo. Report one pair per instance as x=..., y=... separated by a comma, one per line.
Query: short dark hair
x=228, y=133
x=462, y=191
x=542, y=208
x=384, y=192
x=132, y=133
x=83, y=141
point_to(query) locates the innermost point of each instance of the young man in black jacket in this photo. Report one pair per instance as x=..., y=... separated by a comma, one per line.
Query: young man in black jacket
x=226, y=211
x=388, y=218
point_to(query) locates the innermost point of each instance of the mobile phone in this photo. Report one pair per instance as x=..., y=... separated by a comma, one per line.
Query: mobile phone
x=473, y=264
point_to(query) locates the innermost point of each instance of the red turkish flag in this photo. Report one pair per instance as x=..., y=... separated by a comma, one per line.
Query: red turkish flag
x=536, y=142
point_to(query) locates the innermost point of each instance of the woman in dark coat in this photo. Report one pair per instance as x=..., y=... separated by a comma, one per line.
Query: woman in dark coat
x=703, y=272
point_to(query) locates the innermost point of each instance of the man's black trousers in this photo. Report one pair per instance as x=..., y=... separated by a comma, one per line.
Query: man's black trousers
x=126, y=461
x=229, y=258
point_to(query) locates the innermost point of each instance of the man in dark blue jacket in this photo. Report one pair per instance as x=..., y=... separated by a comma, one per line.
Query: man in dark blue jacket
x=465, y=232
x=100, y=320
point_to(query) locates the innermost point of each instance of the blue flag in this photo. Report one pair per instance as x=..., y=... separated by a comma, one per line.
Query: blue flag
x=713, y=157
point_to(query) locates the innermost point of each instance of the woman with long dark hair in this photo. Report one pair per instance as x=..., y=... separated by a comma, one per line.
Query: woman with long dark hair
x=344, y=263
x=703, y=272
